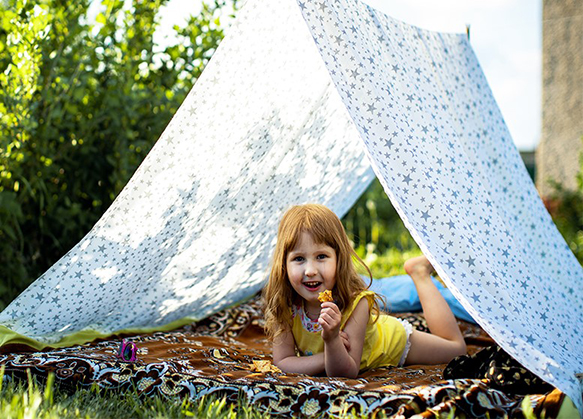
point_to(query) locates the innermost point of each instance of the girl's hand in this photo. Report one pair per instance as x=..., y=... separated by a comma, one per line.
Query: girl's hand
x=330, y=319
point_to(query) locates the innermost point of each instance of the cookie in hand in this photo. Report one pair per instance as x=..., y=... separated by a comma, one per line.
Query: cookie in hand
x=325, y=296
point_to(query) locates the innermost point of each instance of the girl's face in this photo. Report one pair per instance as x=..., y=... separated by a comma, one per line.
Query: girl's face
x=311, y=268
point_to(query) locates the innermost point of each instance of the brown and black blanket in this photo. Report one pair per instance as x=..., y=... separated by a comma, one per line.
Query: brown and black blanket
x=216, y=357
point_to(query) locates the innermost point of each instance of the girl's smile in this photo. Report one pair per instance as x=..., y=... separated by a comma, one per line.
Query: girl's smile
x=311, y=269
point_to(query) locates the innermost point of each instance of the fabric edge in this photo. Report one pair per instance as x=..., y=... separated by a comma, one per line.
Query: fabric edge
x=8, y=337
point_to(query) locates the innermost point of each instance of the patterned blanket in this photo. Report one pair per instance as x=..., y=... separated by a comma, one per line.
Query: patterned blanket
x=216, y=357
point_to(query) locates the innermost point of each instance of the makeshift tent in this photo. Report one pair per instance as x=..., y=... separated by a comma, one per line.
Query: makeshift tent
x=283, y=114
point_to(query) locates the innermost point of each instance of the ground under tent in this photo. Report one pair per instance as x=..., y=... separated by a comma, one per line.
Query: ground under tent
x=297, y=105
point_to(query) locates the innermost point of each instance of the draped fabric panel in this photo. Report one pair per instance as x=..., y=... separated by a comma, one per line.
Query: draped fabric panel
x=443, y=153
x=286, y=112
x=193, y=231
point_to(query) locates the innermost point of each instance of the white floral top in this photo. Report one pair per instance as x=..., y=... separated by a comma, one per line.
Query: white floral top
x=309, y=324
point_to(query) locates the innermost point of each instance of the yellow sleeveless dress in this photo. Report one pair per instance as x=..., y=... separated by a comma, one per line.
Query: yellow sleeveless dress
x=385, y=340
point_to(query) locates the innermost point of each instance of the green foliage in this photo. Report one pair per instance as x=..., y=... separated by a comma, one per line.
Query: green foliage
x=379, y=236
x=566, y=209
x=374, y=226
x=389, y=263
x=81, y=104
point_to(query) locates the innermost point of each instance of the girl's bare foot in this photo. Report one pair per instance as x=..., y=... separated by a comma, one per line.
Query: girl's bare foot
x=418, y=268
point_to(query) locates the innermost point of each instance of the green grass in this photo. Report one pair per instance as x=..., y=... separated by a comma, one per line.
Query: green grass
x=31, y=399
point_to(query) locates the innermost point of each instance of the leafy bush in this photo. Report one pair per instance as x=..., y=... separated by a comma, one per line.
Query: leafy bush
x=566, y=209
x=80, y=106
x=378, y=234
x=374, y=226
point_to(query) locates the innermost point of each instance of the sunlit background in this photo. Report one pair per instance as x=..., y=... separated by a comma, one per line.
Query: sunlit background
x=505, y=34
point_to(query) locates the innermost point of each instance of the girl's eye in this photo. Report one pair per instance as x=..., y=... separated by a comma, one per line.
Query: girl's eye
x=298, y=259
x=322, y=256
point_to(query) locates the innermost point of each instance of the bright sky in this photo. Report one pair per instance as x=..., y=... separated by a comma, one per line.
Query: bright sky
x=505, y=34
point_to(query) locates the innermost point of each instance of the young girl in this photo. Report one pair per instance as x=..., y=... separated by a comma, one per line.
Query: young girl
x=349, y=335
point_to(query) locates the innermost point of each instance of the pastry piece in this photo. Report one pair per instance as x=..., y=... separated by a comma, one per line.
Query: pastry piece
x=325, y=296
x=264, y=366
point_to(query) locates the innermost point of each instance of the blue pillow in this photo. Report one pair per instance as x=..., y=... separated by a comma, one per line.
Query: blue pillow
x=401, y=295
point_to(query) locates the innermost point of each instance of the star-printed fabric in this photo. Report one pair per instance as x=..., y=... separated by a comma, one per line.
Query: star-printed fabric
x=441, y=149
x=281, y=116
x=193, y=231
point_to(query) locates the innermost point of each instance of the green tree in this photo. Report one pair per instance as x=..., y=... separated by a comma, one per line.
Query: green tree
x=81, y=104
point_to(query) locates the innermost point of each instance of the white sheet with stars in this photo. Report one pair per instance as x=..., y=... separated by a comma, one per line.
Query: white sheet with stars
x=272, y=122
x=193, y=231
x=440, y=147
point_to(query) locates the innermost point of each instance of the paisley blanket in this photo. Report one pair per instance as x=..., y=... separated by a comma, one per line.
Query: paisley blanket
x=216, y=357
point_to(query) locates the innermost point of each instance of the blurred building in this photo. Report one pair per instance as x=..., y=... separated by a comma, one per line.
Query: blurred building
x=559, y=151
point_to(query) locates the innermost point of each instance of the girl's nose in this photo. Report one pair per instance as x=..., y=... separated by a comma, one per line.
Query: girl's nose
x=310, y=269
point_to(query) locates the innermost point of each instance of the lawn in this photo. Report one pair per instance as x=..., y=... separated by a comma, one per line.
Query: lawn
x=23, y=400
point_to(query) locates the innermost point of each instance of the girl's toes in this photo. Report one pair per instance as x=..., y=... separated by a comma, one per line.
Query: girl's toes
x=418, y=266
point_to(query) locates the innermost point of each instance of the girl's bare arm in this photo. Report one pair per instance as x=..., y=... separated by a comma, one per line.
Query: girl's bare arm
x=284, y=357
x=340, y=361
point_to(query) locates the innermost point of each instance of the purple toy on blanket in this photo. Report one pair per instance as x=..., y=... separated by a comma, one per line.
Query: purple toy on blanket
x=401, y=296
